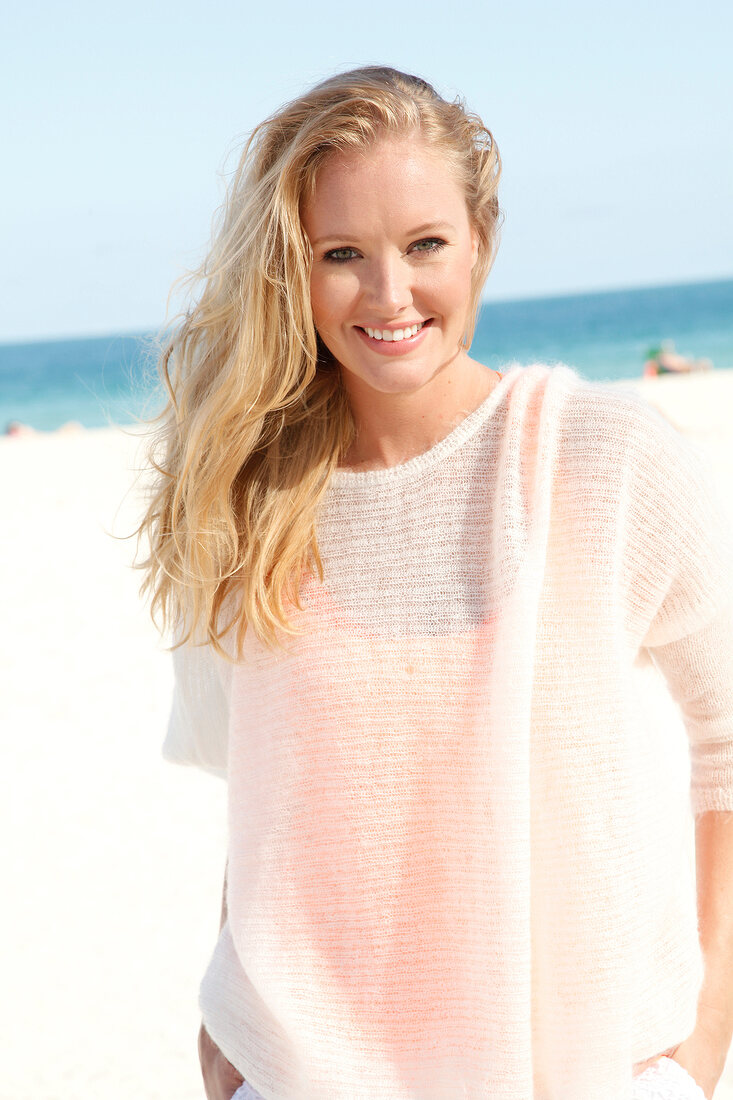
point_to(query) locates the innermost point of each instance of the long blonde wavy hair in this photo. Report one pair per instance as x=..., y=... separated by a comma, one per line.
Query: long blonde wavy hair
x=257, y=417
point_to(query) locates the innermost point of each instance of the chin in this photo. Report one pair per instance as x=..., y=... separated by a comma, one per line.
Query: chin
x=399, y=381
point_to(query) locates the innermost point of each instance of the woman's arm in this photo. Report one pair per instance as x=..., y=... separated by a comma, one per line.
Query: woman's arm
x=714, y=859
x=221, y=1079
x=687, y=538
x=698, y=668
x=704, y=1053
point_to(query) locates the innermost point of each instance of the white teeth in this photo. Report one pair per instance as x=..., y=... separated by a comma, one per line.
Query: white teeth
x=395, y=334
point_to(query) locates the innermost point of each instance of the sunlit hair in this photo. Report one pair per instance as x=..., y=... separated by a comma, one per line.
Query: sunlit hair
x=257, y=417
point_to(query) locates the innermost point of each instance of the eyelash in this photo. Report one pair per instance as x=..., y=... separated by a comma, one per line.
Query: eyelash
x=437, y=242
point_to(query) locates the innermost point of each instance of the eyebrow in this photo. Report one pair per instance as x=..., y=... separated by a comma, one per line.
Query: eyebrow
x=428, y=227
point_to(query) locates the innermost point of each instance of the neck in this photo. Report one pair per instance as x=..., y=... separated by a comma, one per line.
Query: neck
x=393, y=428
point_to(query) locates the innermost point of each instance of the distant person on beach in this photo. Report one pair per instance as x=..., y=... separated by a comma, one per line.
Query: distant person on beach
x=17, y=430
x=665, y=360
x=416, y=605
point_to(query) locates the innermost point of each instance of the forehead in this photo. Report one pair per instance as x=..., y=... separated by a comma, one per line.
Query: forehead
x=395, y=177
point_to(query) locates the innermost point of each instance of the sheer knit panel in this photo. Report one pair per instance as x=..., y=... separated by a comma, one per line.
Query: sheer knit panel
x=452, y=871
x=198, y=726
x=699, y=670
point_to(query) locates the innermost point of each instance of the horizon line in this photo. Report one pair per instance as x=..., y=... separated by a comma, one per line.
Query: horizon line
x=132, y=333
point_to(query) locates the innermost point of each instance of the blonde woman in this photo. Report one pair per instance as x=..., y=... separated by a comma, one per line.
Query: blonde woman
x=418, y=608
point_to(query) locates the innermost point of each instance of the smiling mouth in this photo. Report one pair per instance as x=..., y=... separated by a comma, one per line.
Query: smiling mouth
x=395, y=336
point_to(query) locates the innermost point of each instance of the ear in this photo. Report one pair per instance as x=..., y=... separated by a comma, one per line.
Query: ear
x=474, y=247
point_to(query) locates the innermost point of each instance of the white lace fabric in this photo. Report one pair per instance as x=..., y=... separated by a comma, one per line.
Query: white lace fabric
x=246, y=1092
x=666, y=1080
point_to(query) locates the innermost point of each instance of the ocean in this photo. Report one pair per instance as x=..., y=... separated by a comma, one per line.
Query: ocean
x=112, y=379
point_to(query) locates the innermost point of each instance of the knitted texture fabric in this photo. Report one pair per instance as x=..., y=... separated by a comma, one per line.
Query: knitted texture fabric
x=457, y=862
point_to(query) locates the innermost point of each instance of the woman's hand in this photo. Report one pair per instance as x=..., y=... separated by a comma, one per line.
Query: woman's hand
x=702, y=1055
x=221, y=1079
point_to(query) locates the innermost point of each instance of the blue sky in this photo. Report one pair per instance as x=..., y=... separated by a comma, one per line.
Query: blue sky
x=613, y=122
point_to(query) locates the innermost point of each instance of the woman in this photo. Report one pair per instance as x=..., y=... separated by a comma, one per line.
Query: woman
x=417, y=604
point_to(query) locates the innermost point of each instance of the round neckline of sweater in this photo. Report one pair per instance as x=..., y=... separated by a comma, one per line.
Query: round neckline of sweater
x=344, y=478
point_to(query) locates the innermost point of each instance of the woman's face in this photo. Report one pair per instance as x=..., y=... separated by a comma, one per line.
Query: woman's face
x=393, y=248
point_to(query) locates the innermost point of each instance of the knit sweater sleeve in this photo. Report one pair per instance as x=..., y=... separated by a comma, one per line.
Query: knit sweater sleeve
x=685, y=538
x=199, y=717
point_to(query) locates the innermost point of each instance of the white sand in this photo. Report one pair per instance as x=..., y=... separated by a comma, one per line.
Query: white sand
x=112, y=859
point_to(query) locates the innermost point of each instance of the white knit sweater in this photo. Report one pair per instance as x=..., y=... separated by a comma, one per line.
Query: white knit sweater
x=458, y=855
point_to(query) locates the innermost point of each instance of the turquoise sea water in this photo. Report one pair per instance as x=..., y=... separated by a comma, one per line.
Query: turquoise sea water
x=605, y=336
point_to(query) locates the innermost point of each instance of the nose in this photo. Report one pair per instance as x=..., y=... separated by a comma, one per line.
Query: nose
x=389, y=285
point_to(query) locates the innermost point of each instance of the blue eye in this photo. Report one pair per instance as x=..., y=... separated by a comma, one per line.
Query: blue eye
x=345, y=254
x=434, y=244
x=336, y=255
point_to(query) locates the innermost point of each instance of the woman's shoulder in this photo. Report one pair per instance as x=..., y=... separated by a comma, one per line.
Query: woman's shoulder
x=606, y=443
x=609, y=398
x=608, y=420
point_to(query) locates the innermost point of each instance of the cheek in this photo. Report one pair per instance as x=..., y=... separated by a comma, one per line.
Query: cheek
x=331, y=299
x=453, y=288
x=319, y=301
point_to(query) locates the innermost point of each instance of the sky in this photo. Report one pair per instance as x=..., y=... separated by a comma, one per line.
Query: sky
x=613, y=121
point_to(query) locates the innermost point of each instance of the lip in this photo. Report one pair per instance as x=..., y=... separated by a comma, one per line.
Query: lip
x=399, y=347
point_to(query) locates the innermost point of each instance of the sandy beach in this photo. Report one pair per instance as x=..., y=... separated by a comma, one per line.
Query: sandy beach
x=113, y=859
